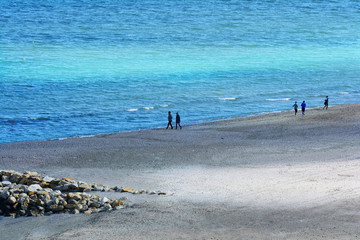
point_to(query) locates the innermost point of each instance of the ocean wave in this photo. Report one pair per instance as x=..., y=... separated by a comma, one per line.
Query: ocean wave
x=40, y=119
x=164, y=106
x=228, y=99
x=279, y=99
x=344, y=93
x=80, y=115
x=132, y=110
x=22, y=121
x=148, y=108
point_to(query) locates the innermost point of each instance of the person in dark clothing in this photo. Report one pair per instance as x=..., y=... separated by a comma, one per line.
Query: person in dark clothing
x=295, y=107
x=177, y=121
x=170, y=120
x=326, y=103
x=303, y=106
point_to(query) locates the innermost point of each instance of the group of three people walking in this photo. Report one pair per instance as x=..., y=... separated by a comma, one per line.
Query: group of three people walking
x=170, y=121
x=303, y=105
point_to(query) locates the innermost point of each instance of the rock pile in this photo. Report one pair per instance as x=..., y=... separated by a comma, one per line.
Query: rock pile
x=29, y=194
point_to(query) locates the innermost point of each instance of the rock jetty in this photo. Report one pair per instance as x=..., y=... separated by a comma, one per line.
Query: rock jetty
x=29, y=194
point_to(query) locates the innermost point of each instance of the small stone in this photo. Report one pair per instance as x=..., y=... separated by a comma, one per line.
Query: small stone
x=44, y=184
x=89, y=211
x=98, y=188
x=16, y=177
x=56, y=208
x=31, y=193
x=31, y=173
x=79, y=207
x=6, y=183
x=34, y=188
x=72, y=201
x=77, y=197
x=11, y=200
x=116, y=203
x=127, y=189
x=95, y=203
x=6, y=178
x=107, y=206
x=33, y=179
x=83, y=185
x=73, y=186
x=70, y=179
x=104, y=200
x=5, y=194
x=23, y=195
x=24, y=180
x=71, y=206
x=118, y=189
x=75, y=211
x=84, y=207
x=41, y=193
x=48, y=179
x=89, y=189
x=54, y=183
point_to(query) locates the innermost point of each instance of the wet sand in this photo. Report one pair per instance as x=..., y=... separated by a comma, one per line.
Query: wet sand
x=275, y=176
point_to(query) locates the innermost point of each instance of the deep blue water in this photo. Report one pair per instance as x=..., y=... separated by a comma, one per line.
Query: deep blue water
x=81, y=67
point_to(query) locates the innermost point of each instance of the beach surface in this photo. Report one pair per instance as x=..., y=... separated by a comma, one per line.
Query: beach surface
x=274, y=176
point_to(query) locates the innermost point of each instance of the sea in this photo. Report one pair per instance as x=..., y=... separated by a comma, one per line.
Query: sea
x=77, y=68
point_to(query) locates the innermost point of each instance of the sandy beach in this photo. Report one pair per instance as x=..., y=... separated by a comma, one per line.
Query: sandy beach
x=274, y=176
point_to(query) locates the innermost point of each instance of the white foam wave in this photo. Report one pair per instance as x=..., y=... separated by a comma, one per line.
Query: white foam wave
x=148, y=108
x=343, y=93
x=227, y=99
x=164, y=106
x=132, y=110
x=279, y=99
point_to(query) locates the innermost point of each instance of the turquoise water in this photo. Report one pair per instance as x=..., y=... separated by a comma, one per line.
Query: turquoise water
x=80, y=67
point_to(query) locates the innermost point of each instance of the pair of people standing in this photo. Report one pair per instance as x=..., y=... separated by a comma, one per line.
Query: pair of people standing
x=170, y=121
x=303, y=106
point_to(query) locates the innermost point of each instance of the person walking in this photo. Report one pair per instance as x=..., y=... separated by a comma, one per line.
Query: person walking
x=326, y=103
x=169, y=121
x=303, y=106
x=295, y=107
x=177, y=121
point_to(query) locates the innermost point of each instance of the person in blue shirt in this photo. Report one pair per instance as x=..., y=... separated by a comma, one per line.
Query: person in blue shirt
x=303, y=106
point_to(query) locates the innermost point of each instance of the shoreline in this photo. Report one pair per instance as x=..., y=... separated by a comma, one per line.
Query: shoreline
x=274, y=176
x=196, y=123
